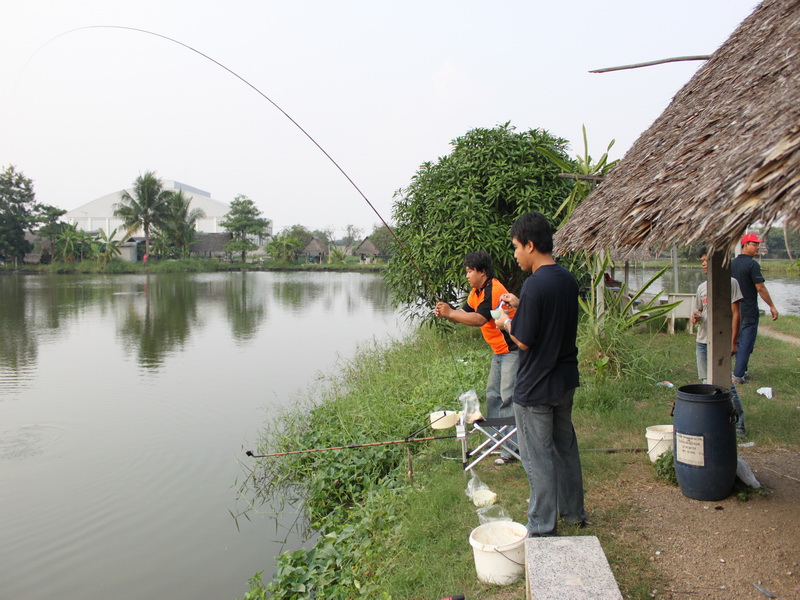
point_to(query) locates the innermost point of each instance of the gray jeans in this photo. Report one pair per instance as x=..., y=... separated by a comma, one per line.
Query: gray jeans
x=549, y=451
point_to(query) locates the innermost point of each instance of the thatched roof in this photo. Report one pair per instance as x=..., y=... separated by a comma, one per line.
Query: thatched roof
x=314, y=248
x=723, y=155
x=367, y=246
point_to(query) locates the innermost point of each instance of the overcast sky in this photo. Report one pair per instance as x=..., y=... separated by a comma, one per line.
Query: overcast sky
x=383, y=86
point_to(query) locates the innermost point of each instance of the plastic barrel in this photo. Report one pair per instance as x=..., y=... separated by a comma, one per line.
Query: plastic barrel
x=705, y=441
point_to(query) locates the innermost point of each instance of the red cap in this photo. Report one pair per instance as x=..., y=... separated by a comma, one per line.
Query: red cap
x=751, y=237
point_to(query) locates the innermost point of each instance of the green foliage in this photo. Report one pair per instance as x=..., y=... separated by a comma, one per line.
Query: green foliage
x=176, y=234
x=337, y=255
x=604, y=333
x=147, y=207
x=467, y=201
x=20, y=213
x=383, y=239
x=243, y=222
x=664, y=467
x=285, y=246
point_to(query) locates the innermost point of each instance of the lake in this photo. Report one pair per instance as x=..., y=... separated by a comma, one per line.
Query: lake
x=784, y=290
x=126, y=404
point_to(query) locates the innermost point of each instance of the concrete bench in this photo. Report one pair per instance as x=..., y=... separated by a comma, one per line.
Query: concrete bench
x=568, y=568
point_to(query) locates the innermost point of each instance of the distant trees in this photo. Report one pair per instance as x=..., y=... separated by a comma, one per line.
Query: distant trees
x=177, y=232
x=20, y=213
x=148, y=206
x=243, y=222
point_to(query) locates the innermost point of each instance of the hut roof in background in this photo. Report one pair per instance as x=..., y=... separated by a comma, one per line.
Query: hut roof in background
x=367, y=246
x=314, y=247
x=723, y=155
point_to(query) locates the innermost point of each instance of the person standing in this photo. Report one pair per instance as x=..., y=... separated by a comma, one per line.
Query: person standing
x=748, y=273
x=476, y=312
x=545, y=330
x=700, y=317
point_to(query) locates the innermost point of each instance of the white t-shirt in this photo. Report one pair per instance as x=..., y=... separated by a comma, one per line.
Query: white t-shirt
x=701, y=303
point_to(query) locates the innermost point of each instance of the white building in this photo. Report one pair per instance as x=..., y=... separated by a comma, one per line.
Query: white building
x=99, y=213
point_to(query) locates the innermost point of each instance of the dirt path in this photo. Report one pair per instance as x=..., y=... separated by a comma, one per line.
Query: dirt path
x=719, y=550
x=769, y=332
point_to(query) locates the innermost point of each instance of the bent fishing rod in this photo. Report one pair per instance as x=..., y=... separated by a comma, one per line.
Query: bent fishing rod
x=282, y=111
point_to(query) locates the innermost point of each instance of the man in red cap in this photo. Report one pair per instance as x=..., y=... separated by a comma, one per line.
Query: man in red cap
x=748, y=273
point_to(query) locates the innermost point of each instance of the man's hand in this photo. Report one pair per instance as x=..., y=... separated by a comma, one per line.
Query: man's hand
x=511, y=300
x=774, y=312
x=443, y=310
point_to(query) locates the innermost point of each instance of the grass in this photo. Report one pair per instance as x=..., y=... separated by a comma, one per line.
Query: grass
x=424, y=552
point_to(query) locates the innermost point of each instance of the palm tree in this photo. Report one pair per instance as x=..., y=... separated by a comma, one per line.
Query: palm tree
x=181, y=223
x=108, y=247
x=147, y=207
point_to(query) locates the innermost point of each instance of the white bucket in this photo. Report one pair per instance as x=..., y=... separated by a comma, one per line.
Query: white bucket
x=659, y=440
x=443, y=419
x=499, y=549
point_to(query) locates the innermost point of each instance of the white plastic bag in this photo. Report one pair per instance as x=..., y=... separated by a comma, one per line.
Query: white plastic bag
x=744, y=473
x=479, y=492
x=471, y=406
x=493, y=512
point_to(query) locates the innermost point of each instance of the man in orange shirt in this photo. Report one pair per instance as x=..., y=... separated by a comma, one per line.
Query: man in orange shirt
x=476, y=312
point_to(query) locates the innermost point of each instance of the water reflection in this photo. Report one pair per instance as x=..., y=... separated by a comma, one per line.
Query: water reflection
x=246, y=308
x=160, y=320
x=18, y=348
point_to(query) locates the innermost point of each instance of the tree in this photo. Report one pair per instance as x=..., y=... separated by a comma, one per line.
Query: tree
x=147, y=207
x=243, y=221
x=383, y=239
x=352, y=235
x=20, y=213
x=107, y=246
x=467, y=201
x=285, y=246
x=178, y=231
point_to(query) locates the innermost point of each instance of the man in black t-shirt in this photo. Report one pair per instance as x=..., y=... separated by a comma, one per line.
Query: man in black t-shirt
x=545, y=330
x=747, y=272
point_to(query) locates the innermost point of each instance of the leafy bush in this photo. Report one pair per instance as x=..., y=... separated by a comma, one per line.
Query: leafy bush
x=665, y=467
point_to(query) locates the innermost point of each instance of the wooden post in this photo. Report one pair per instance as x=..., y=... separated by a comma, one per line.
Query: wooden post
x=719, y=324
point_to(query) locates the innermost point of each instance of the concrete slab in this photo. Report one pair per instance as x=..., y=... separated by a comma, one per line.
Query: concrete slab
x=568, y=568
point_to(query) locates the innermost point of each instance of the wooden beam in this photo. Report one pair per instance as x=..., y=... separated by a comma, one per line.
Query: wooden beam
x=719, y=324
x=652, y=62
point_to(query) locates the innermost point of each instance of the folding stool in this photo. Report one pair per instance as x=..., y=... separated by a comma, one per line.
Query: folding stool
x=498, y=433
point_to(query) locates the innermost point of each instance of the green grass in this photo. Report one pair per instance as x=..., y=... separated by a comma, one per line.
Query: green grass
x=423, y=551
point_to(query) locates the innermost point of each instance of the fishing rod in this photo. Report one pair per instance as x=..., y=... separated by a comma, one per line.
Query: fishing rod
x=282, y=111
x=367, y=445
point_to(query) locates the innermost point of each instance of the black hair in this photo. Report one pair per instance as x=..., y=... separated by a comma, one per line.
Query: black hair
x=533, y=227
x=702, y=251
x=480, y=261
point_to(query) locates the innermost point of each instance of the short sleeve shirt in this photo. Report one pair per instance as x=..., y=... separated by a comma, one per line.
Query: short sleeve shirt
x=747, y=272
x=700, y=304
x=482, y=301
x=547, y=322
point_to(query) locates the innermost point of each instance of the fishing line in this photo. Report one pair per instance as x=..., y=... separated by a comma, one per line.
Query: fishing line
x=283, y=112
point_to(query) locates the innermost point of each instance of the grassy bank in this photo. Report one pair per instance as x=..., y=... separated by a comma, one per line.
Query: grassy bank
x=388, y=535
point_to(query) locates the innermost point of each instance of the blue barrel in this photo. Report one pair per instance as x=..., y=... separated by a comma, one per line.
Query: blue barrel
x=705, y=441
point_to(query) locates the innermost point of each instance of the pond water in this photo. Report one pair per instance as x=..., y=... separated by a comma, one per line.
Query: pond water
x=784, y=290
x=126, y=404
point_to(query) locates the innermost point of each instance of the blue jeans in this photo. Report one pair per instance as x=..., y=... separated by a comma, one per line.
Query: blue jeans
x=747, y=342
x=701, y=353
x=549, y=451
x=500, y=389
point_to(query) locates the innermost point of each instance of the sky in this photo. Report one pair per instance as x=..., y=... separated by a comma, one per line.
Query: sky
x=382, y=86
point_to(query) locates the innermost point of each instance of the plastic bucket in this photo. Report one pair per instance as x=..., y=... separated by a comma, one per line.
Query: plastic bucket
x=499, y=550
x=659, y=440
x=705, y=441
x=443, y=419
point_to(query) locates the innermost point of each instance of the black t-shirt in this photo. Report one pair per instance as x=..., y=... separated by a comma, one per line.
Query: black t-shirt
x=747, y=272
x=547, y=322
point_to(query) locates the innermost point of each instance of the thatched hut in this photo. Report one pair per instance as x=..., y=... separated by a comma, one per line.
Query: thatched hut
x=367, y=251
x=316, y=251
x=723, y=155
